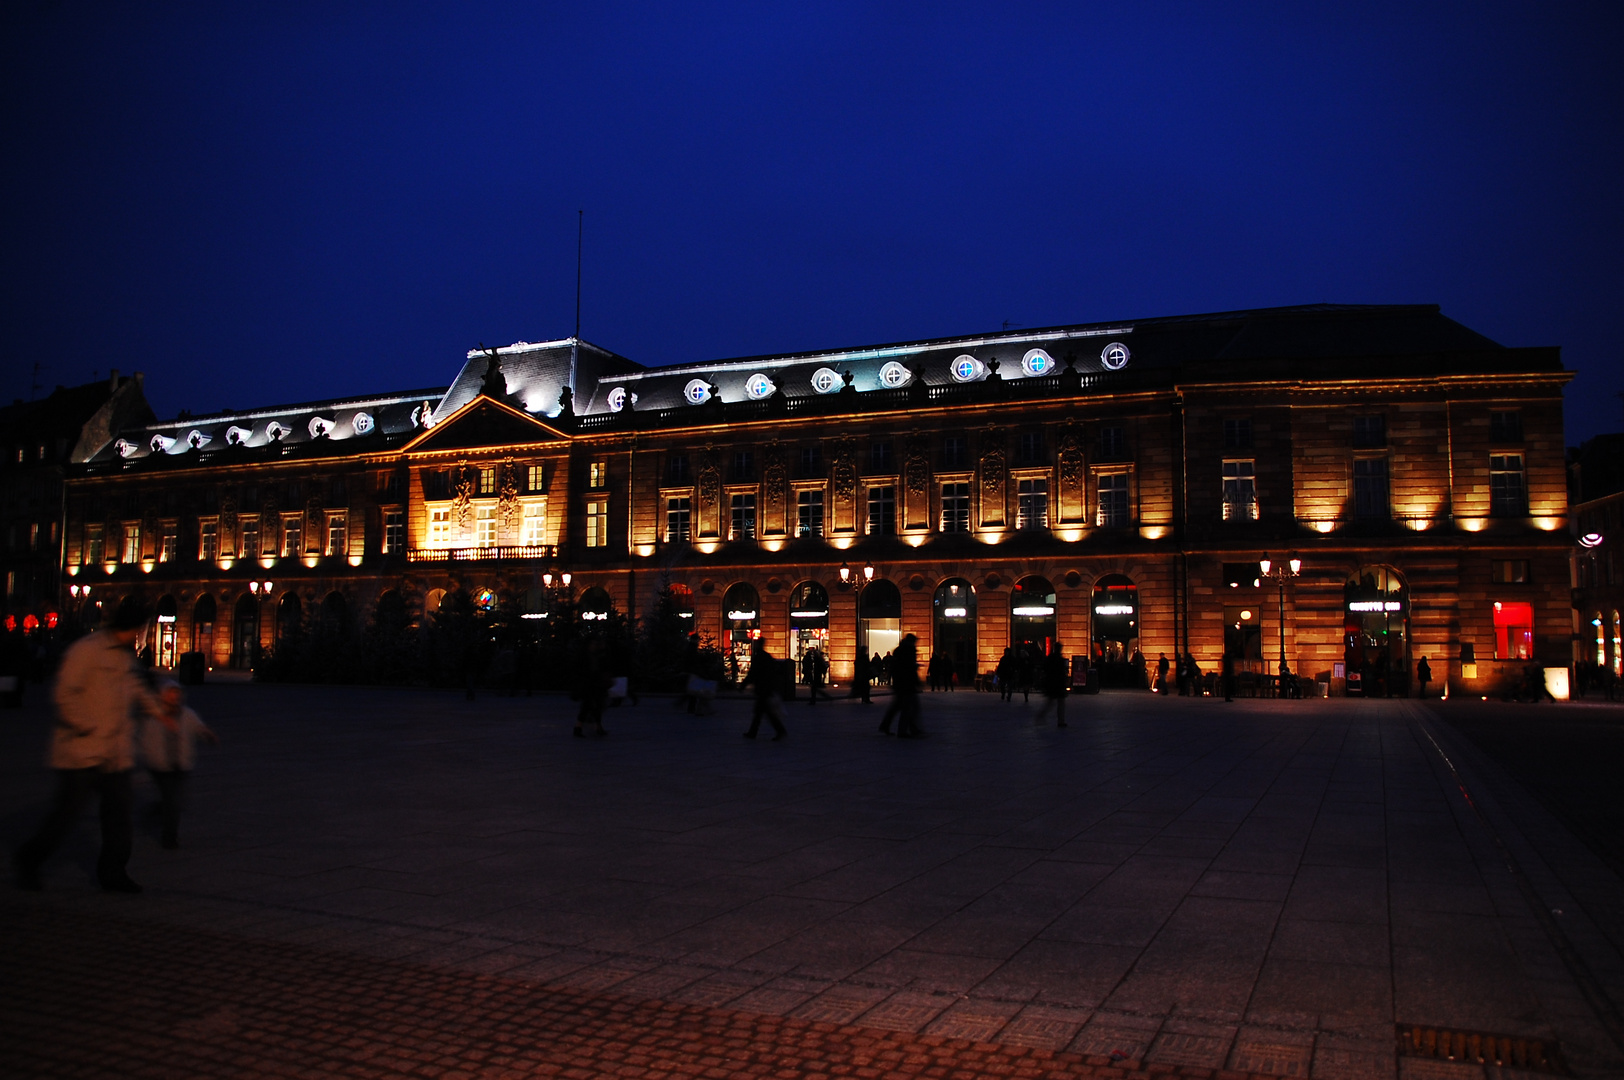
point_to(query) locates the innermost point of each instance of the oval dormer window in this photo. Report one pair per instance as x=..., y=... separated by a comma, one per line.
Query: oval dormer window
x=161, y=443
x=1037, y=363
x=967, y=369
x=825, y=380
x=275, y=431
x=124, y=447
x=236, y=436
x=758, y=387
x=320, y=428
x=894, y=375
x=616, y=399
x=1115, y=356
x=361, y=423
x=698, y=391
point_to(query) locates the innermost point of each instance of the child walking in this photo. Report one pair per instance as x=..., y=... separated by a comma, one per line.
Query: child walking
x=168, y=742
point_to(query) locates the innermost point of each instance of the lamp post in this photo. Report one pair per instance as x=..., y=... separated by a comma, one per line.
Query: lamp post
x=260, y=590
x=1280, y=572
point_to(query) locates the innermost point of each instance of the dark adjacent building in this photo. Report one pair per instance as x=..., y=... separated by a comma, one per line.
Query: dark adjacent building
x=1596, y=488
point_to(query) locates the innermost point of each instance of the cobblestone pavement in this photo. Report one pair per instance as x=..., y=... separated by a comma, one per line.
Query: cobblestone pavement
x=382, y=882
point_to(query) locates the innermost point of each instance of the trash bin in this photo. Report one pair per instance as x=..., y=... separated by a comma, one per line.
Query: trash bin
x=190, y=668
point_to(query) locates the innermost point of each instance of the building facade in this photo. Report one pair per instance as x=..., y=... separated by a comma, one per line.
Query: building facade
x=1113, y=488
x=1596, y=488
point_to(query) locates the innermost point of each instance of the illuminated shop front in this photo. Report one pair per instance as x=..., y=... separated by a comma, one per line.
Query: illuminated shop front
x=1116, y=630
x=165, y=648
x=808, y=623
x=1032, y=619
x=879, y=617
x=954, y=611
x=1376, y=653
x=741, y=623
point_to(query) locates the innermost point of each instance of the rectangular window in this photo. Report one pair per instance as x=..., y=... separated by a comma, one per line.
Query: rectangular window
x=1113, y=501
x=394, y=532
x=132, y=543
x=812, y=460
x=882, y=511
x=1032, y=503
x=33, y=536
x=743, y=524
x=1510, y=571
x=678, y=519
x=487, y=480
x=248, y=539
x=208, y=540
x=809, y=513
x=955, y=508
x=436, y=484
x=1029, y=450
x=534, y=478
x=879, y=458
x=1506, y=491
x=389, y=484
x=1113, y=443
x=533, y=526
x=676, y=469
x=292, y=536
x=485, y=526
x=1238, y=434
x=1513, y=631
x=598, y=475
x=1370, y=488
x=338, y=534
x=597, y=523
x=1369, y=431
x=1240, y=491
x=1505, y=426
x=94, y=541
x=439, y=526
x=169, y=545
x=955, y=452
x=744, y=465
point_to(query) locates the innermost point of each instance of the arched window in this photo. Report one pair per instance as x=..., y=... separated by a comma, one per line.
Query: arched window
x=245, y=632
x=165, y=646
x=595, y=605
x=1376, y=619
x=1032, y=620
x=879, y=618
x=391, y=616
x=288, y=615
x=203, y=616
x=335, y=615
x=953, y=610
x=808, y=625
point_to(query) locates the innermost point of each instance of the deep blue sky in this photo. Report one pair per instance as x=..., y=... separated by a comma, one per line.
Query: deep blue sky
x=262, y=203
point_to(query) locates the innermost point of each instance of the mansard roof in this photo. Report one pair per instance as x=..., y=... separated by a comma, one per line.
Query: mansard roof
x=338, y=426
x=483, y=422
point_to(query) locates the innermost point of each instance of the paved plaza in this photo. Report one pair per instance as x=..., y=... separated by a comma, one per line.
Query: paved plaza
x=381, y=882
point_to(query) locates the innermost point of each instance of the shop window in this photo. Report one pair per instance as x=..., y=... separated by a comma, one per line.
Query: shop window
x=1505, y=426
x=169, y=546
x=394, y=532
x=1510, y=572
x=132, y=543
x=1238, y=434
x=955, y=452
x=533, y=525
x=1240, y=491
x=484, y=527
x=1618, y=646
x=248, y=539
x=1513, y=630
x=678, y=519
x=955, y=508
x=1113, y=443
x=882, y=511
x=94, y=543
x=1370, y=488
x=809, y=513
x=597, y=523
x=1032, y=504
x=1507, y=494
x=1601, y=639
x=676, y=469
x=1369, y=432
x=744, y=466
x=1113, y=501
x=487, y=480
x=742, y=525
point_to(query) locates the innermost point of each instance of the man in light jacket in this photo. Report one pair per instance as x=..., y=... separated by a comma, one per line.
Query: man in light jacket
x=99, y=686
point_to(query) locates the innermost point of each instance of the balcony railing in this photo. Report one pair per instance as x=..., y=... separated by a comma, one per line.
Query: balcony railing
x=482, y=554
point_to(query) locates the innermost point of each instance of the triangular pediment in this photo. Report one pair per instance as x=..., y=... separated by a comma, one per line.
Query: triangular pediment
x=484, y=423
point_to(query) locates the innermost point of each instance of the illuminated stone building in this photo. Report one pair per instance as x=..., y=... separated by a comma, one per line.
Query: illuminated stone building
x=1596, y=486
x=1110, y=486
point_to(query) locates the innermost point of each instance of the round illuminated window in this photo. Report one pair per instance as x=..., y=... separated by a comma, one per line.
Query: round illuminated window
x=362, y=423
x=758, y=386
x=894, y=375
x=697, y=392
x=275, y=431
x=967, y=369
x=1037, y=362
x=616, y=399
x=825, y=380
x=1115, y=356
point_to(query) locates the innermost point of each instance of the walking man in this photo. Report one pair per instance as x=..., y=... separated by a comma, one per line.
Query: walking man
x=1423, y=675
x=1056, y=683
x=93, y=749
x=904, y=691
x=1161, y=674
x=765, y=677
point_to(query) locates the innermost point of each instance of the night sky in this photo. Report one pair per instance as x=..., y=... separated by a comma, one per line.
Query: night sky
x=268, y=203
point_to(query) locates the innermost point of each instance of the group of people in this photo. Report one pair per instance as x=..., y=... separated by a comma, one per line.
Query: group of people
x=108, y=707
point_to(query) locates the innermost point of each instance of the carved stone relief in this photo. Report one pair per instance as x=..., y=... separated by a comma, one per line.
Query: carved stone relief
x=845, y=475
x=462, y=499
x=507, y=493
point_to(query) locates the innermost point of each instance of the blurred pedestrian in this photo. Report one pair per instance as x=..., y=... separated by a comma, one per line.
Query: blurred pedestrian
x=594, y=682
x=1004, y=675
x=904, y=690
x=98, y=687
x=1056, y=683
x=1423, y=675
x=862, y=676
x=816, y=670
x=1161, y=674
x=765, y=676
x=169, y=747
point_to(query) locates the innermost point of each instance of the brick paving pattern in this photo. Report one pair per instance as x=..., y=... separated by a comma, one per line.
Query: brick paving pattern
x=1176, y=885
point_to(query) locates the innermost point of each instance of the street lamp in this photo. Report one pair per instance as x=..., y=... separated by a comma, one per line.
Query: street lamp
x=845, y=574
x=868, y=572
x=1280, y=572
x=260, y=590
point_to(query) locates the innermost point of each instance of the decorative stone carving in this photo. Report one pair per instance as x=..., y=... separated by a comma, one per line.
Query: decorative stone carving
x=462, y=499
x=774, y=477
x=1071, y=458
x=710, y=484
x=315, y=518
x=918, y=466
x=228, y=512
x=507, y=492
x=992, y=472
x=845, y=474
